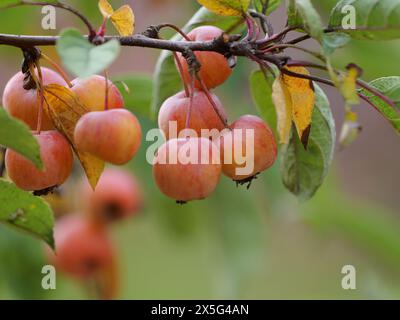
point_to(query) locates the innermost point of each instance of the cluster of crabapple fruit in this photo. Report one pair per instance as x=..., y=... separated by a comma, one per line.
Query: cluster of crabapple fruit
x=198, y=110
x=107, y=130
x=84, y=248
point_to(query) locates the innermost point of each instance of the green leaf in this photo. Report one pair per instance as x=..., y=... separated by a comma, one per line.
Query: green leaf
x=302, y=14
x=15, y=134
x=138, y=99
x=390, y=87
x=303, y=171
x=375, y=19
x=24, y=211
x=333, y=41
x=261, y=90
x=272, y=5
x=166, y=78
x=81, y=57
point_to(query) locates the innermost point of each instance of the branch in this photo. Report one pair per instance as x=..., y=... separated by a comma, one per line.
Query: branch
x=330, y=83
x=219, y=45
x=377, y=93
x=359, y=82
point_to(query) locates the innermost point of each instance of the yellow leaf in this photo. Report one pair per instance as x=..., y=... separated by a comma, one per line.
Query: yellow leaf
x=348, y=84
x=124, y=21
x=283, y=106
x=302, y=95
x=350, y=130
x=64, y=109
x=105, y=8
x=226, y=7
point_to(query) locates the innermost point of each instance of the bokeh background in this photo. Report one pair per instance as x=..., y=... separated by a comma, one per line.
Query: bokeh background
x=253, y=244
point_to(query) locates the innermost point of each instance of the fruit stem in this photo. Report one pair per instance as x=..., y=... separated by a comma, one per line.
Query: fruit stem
x=58, y=68
x=276, y=38
x=266, y=26
x=263, y=65
x=40, y=111
x=177, y=61
x=286, y=46
x=106, y=93
x=169, y=25
x=102, y=29
x=180, y=69
x=251, y=33
x=209, y=97
x=189, y=113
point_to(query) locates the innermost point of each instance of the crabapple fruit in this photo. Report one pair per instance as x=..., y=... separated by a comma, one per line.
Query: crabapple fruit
x=235, y=146
x=117, y=196
x=57, y=159
x=203, y=115
x=215, y=68
x=113, y=135
x=24, y=104
x=85, y=251
x=187, y=169
x=92, y=93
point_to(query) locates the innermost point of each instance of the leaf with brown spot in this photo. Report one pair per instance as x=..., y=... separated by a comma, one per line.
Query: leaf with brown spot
x=302, y=95
x=64, y=109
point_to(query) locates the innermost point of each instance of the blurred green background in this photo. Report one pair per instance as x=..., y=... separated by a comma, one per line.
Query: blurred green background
x=253, y=244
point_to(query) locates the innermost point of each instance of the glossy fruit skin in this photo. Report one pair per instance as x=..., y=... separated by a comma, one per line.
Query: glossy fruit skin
x=85, y=251
x=215, y=68
x=57, y=159
x=203, y=115
x=24, y=104
x=187, y=181
x=91, y=92
x=113, y=135
x=117, y=196
x=265, y=147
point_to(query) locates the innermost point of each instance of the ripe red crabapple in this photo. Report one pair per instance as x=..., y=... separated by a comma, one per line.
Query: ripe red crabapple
x=57, y=158
x=91, y=92
x=203, y=115
x=236, y=147
x=24, y=104
x=113, y=135
x=187, y=169
x=215, y=68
